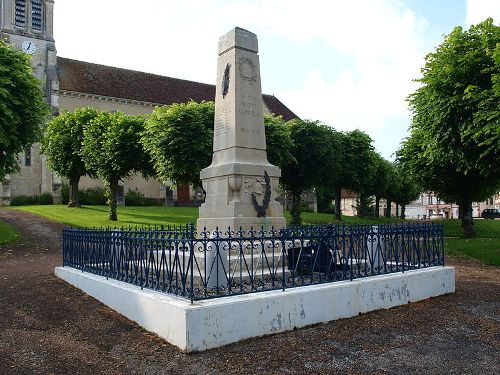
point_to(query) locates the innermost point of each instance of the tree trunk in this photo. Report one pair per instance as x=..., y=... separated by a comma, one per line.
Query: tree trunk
x=338, y=202
x=112, y=194
x=465, y=210
x=361, y=205
x=403, y=209
x=388, y=209
x=461, y=209
x=295, y=211
x=377, y=206
x=73, y=192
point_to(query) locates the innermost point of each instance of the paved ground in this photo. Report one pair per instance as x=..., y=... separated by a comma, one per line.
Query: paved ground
x=49, y=327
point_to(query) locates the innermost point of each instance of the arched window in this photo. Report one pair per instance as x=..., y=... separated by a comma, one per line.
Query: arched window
x=36, y=14
x=27, y=156
x=20, y=13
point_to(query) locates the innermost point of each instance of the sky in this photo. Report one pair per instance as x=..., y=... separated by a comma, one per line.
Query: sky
x=348, y=63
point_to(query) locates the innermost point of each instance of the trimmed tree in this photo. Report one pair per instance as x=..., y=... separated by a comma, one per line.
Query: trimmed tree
x=179, y=139
x=384, y=181
x=453, y=147
x=356, y=157
x=23, y=109
x=408, y=189
x=62, y=144
x=278, y=141
x=312, y=154
x=112, y=148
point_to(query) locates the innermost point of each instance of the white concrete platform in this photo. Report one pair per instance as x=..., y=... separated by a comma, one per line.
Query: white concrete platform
x=213, y=323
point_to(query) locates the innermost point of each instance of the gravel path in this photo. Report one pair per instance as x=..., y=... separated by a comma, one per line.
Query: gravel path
x=49, y=327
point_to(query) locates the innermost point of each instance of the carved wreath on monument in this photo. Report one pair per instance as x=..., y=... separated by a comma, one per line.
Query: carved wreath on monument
x=247, y=70
x=225, y=80
x=258, y=186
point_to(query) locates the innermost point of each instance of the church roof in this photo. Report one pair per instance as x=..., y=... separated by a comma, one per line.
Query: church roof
x=84, y=77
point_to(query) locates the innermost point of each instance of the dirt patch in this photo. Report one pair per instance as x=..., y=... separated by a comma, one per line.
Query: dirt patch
x=47, y=326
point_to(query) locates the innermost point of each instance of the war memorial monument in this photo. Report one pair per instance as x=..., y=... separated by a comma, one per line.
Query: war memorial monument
x=240, y=272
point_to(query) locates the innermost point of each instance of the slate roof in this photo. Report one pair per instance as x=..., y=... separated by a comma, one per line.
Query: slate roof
x=84, y=77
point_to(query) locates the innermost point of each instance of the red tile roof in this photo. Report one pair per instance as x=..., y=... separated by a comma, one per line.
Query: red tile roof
x=84, y=77
x=347, y=194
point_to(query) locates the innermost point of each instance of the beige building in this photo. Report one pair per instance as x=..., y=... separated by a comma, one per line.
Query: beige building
x=70, y=84
x=429, y=206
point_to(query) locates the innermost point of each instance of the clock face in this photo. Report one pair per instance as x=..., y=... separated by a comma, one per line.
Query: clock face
x=28, y=47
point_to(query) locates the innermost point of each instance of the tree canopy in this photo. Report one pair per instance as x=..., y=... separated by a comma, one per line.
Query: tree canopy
x=178, y=139
x=112, y=148
x=278, y=141
x=23, y=109
x=312, y=156
x=62, y=145
x=454, y=143
x=357, y=160
x=385, y=181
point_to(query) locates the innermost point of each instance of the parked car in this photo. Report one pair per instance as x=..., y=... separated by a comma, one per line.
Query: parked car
x=490, y=213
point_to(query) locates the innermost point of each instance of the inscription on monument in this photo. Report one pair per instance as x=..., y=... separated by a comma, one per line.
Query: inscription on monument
x=250, y=106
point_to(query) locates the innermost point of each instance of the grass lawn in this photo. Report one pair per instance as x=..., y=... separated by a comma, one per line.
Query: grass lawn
x=97, y=216
x=485, y=249
x=8, y=233
x=486, y=246
x=484, y=228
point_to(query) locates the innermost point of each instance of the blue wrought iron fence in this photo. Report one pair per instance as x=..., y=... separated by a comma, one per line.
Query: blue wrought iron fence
x=179, y=261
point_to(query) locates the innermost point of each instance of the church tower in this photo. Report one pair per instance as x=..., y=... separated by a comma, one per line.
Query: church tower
x=28, y=26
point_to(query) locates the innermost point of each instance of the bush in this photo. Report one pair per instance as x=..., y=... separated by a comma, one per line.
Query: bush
x=25, y=200
x=304, y=207
x=136, y=198
x=325, y=199
x=45, y=199
x=92, y=196
x=65, y=193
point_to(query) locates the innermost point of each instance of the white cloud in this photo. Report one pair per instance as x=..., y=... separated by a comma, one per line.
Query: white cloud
x=479, y=10
x=384, y=40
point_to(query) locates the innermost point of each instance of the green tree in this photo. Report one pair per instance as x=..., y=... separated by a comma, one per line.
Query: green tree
x=408, y=189
x=23, y=109
x=385, y=176
x=312, y=154
x=178, y=138
x=62, y=144
x=278, y=141
x=453, y=148
x=112, y=148
x=356, y=157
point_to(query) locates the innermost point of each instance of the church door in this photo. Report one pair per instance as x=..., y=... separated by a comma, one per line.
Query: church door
x=182, y=194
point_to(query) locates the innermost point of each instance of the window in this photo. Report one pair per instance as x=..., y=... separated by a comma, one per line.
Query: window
x=430, y=199
x=36, y=14
x=27, y=157
x=20, y=18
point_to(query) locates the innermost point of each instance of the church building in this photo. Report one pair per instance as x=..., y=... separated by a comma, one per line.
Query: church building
x=69, y=84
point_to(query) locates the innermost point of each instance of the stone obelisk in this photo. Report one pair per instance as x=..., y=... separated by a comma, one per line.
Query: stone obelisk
x=240, y=184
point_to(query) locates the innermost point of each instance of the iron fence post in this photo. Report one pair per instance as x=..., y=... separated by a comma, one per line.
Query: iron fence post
x=191, y=260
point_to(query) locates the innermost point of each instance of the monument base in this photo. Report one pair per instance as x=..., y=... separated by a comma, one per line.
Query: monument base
x=212, y=323
x=235, y=223
x=235, y=191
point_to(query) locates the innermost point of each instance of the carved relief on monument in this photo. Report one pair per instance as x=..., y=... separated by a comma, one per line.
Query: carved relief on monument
x=225, y=80
x=246, y=68
x=258, y=191
x=235, y=186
